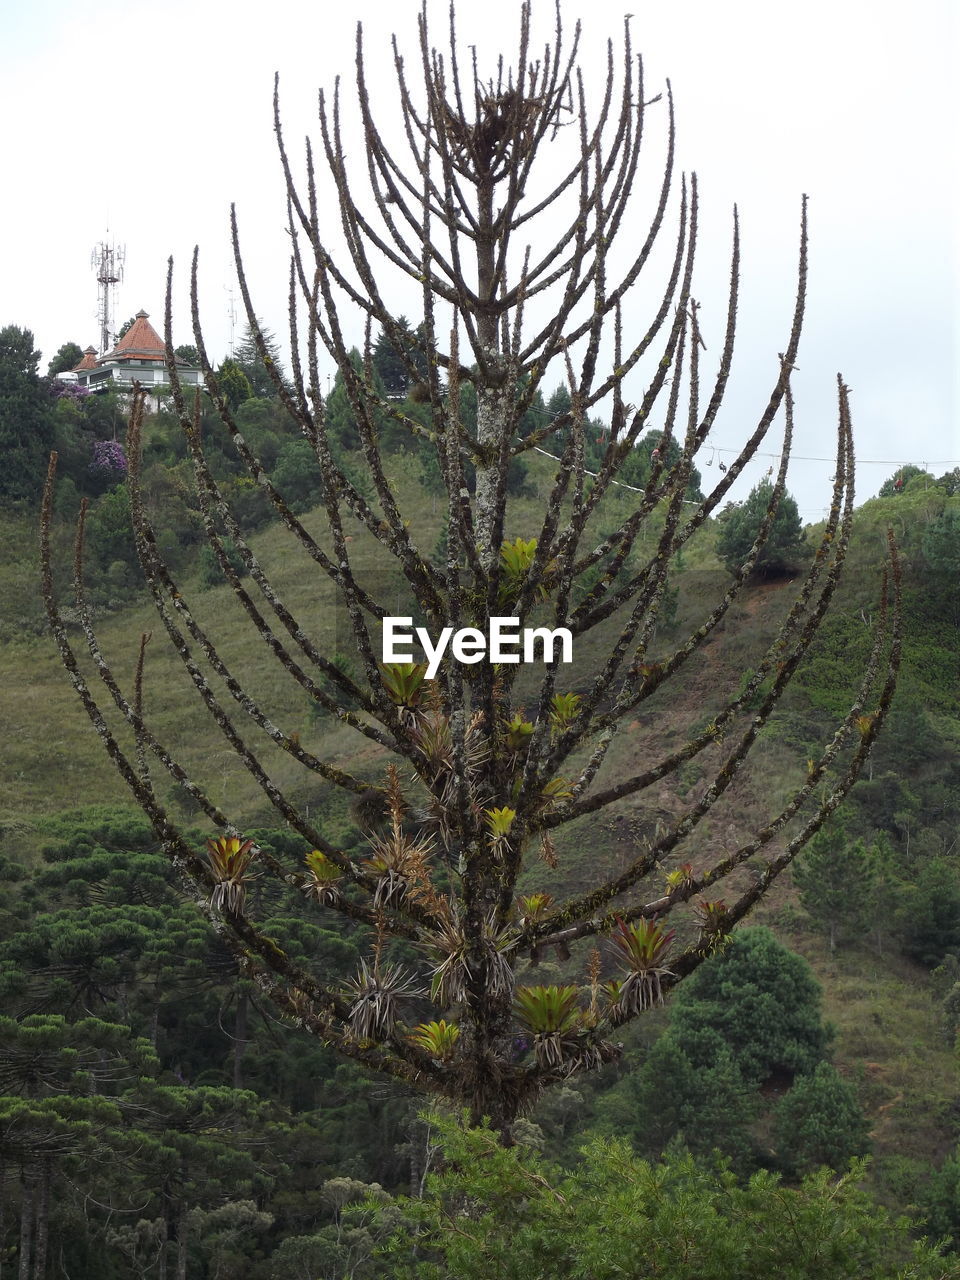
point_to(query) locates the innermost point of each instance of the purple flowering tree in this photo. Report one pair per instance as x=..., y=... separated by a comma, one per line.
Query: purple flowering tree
x=108, y=459
x=61, y=390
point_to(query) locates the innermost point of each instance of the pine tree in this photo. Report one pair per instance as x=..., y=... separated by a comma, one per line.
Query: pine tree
x=704, y=1104
x=761, y=1001
x=773, y=515
x=820, y=1122
x=233, y=383
x=486, y=770
x=257, y=356
x=399, y=362
x=834, y=877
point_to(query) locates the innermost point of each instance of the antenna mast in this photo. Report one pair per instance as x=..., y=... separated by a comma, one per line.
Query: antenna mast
x=231, y=315
x=107, y=261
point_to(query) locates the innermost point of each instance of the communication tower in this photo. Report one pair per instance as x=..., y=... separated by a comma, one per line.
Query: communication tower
x=107, y=261
x=231, y=315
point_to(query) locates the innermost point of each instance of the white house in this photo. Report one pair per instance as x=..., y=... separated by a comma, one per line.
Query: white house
x=137, y=357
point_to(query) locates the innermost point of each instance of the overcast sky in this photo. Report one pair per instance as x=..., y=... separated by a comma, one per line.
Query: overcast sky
x=142, y=122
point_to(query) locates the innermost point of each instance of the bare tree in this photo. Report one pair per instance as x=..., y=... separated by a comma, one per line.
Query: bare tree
x=520, y=272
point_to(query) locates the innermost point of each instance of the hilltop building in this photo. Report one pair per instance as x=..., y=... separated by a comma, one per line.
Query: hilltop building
x=137, y=357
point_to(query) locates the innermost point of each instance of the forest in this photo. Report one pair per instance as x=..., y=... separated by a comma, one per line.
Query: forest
x=648, y=967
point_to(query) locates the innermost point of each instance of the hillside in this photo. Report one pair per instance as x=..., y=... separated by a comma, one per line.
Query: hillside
x=887, y=988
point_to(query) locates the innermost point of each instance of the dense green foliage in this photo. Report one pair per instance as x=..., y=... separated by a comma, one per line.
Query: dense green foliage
x=901, y=480
x=68, y=357
x=26, y=419
x=907, y=809
x=691, y=1091
x=940, y=549
x=746, y=1027
x=819, y=1122
x=740, y=525
x=137, y=1068
x=834, y=876
x=234, y=384
x=762, y=1001
x=130, y=1046
x=507, y=1214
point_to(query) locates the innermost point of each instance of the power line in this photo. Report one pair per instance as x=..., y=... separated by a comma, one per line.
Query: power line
x=861, y=462
x=885, y=462
x=545, y=415
x=622, y=484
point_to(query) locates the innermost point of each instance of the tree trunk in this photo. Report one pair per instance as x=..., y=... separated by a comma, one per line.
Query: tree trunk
x=3, y=1210
x=490, y=398
x=42, y=1223
x=164, y=1242
x=419, y=1134
x=492, y=1099
x=493, y=411
x=26, y=1225
x=182, y=1243
x=240, y=1036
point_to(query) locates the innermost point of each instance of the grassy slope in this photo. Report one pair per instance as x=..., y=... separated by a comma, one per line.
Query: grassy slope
x=888, y=1037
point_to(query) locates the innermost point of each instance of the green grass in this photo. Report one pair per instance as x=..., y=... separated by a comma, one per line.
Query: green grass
x=890, y=1045
x=52, y=759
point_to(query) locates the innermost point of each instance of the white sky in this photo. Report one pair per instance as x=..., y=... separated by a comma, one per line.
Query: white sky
x=148, y=120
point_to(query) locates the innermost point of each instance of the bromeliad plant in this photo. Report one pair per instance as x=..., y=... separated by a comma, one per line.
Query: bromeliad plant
x=712, y=920
x=641, y=950
x=499, y=824
x=375, y=993
x=403, y=682
x=230, y=859
x=438, y=1039
x=398, y=861
x=551, y=1014
x=563, y=710
x=532, y=907
x=447, y=769
x=399, y=865
x=493, y=767
x=456, y=968
x=516, y=560
x=519, y=732
x=448, y=953
x=680, y=877
x=323, y=884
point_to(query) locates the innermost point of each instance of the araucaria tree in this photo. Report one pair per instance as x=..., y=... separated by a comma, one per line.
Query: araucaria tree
x=507, y=204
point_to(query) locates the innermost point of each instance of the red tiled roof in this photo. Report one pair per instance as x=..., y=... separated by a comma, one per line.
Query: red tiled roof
x=89, y=360
x=140, y=342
